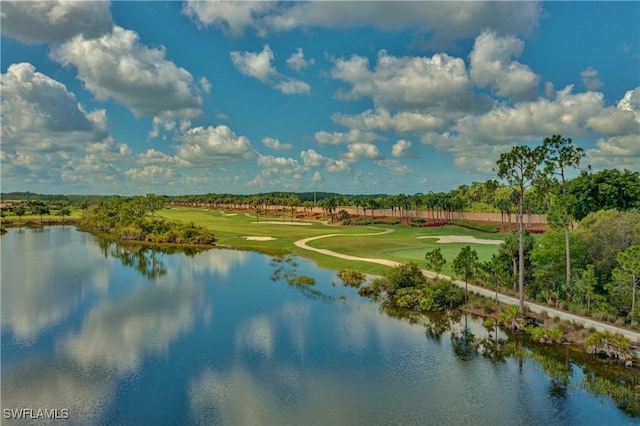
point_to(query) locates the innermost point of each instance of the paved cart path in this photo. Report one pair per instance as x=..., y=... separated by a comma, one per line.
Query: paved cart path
x=534, y=307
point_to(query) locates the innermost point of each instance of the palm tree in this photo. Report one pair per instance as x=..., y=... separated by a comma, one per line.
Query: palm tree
x=19, y=211
x=64, y=211
x=40, y=209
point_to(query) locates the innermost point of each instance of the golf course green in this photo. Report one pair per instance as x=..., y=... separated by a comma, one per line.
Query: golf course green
x=278, y=235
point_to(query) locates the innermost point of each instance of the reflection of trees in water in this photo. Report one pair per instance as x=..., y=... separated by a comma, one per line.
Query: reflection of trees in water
x=284, y=269
x=499, y=349
x=145, y=259
x=619, y=383
x=600, y=379
x=442, y=322
x=464, y=343
x=624, y=390
x=558, y=369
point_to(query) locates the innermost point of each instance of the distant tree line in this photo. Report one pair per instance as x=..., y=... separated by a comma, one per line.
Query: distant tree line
x=587, y=193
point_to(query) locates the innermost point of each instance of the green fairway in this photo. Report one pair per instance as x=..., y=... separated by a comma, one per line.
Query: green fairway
x=402, y=245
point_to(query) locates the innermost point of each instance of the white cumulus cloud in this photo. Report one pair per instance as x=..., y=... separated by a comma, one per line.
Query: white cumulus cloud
x=39, y=113
x=54, y=21
x=444, y=20
x=568, y=114
x=590, y=79
x=311, y=158
x=439, y=83
x=492, y=66
x=275, y=144
x=394, y=166
x=298, y=62
x=352, y=136
x=361, y=151
x=402, y=149
x=260, y=65
x=381, y=119
x=208, y=146
x=278, y=165
x=118, y=66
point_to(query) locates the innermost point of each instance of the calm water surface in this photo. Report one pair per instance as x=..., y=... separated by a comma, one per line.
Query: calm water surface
x=126, y=335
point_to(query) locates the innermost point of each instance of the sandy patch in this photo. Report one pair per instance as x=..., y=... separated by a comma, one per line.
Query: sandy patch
x=228, y=214
x=444, y=239
x=285, y=223
x=259, y=238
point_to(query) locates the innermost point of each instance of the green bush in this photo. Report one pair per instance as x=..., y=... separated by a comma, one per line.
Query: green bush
x=612, y=345
x=351, y=278
x=343, y=215
x=543, y=335
x=483, y=227
x=446, y=294
x=305, y=280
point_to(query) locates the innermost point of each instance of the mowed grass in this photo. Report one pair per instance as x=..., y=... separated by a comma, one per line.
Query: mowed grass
x=11, y=218
x=402, y=245
x=231, y=230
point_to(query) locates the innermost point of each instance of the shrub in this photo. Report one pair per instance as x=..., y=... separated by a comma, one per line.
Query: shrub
x=610, y=345
x=404, y=276
x=367, y=291
x=351, y=278
x=489, y=322
x=446, y=295
x=305, y=280
x=483, y=227
x=555, y=334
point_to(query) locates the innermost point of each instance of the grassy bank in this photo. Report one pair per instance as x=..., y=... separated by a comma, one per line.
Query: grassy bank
x=10, y=219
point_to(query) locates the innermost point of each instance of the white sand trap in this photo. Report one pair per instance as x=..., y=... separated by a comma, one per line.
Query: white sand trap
x=285, y=223
x=443, y=239
x=228, y=214
x=259, y=238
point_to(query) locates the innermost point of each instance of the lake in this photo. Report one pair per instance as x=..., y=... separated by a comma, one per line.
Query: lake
x=102, y=333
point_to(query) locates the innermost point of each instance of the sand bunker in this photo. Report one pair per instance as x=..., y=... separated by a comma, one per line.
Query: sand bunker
x=443, y=239
x=285, y=223
x=228, y=214
x=259, y=238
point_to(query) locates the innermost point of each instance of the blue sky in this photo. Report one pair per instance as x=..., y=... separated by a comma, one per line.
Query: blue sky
x=349, y=97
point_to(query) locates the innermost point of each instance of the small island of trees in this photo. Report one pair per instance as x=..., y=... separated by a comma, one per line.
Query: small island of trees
x=126, y=218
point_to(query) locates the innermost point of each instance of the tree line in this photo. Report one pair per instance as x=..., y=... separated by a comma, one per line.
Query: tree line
x=588, y=261
x=586, y=193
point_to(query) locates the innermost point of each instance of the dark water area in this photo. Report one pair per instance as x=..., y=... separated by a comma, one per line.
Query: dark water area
x=102, y=333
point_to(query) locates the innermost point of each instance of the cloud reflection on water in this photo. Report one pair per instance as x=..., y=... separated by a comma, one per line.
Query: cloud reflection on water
x=117, y=335
x=42, y=383
x=44, y=291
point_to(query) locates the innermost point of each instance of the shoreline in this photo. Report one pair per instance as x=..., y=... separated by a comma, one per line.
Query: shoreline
x=543, y=310
x=585, y=322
